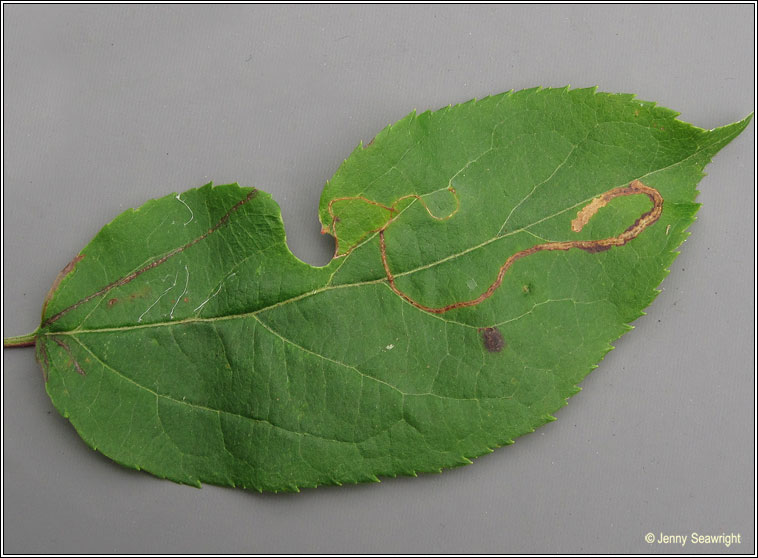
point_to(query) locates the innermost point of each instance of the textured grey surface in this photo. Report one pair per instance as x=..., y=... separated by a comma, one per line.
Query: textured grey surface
x=107, y=107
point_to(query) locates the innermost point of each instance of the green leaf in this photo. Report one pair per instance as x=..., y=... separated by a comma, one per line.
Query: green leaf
x=487, y=255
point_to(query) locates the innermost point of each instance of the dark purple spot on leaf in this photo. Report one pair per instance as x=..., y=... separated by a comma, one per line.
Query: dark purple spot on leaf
x=493, y=339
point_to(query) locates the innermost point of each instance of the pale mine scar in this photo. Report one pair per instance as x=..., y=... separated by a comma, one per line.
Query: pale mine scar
x=392, y=209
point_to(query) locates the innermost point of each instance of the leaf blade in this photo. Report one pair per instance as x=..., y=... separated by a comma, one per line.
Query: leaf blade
x=273, y=375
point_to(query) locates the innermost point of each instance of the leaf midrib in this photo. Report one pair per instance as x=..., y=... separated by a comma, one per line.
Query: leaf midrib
x=326, y=288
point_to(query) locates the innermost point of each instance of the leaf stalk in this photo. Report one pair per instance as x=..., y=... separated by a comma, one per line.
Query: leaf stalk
x=28, y=340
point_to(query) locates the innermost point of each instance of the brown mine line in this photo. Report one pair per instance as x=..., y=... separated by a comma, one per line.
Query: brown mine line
x=70, y=355
x=68, y=268
x=332, y=229
x=590, y=246
x=128, y=278
x=44, y=363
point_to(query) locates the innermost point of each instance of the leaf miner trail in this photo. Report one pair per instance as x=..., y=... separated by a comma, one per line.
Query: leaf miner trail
x=155, y=263
x=591, y=246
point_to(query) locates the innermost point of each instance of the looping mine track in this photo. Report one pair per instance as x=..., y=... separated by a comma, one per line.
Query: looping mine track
x=584, y=215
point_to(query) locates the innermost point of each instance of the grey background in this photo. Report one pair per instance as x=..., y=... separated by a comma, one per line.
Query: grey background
x=107, y=107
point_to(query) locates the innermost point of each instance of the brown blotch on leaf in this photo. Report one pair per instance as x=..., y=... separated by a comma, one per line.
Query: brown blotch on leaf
x=493, y=339
x=112, y=301
x=144, y=292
